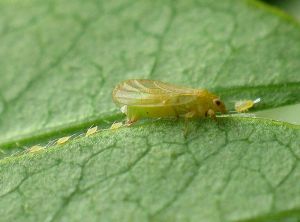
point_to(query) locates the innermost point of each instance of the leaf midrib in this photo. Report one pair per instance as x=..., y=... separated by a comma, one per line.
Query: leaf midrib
x=43, y=137
x=105, y=119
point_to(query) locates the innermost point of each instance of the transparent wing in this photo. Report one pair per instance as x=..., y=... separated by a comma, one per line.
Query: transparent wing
x=142, y=92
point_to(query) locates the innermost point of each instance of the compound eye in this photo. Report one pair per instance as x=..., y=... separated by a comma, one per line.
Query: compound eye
x=217, y=102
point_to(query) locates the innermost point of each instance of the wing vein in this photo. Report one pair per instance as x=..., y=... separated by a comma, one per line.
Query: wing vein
x=152, y=93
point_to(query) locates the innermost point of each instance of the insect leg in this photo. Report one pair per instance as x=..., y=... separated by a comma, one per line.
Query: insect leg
x=130, y=120
x=211, y=114
x=176, y=112
x=132, y=115
x=188, y=116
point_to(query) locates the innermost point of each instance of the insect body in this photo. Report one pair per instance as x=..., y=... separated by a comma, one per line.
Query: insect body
x=35, y=148
x=63, y=140
x=245, y=105
x=91, y=131
x=140, y=98
x=116, y=125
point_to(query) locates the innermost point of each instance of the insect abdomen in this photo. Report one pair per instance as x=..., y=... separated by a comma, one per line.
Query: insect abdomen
x=151, y=112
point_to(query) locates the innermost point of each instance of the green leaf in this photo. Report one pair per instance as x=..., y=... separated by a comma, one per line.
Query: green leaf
x=59, y=63
x=292, y=7
x=232, y=170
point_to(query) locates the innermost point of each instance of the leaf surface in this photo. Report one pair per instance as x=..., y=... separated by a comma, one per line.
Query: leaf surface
x=59, y=63
x=61, y=60
x=292, y=7
x=225, y=171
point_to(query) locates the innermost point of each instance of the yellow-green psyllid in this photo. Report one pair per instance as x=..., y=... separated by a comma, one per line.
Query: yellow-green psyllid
x=116, y=125
x=91, y=131
x=35, y=148
x=63, y=140
x=245, y=105
x=140, y=98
